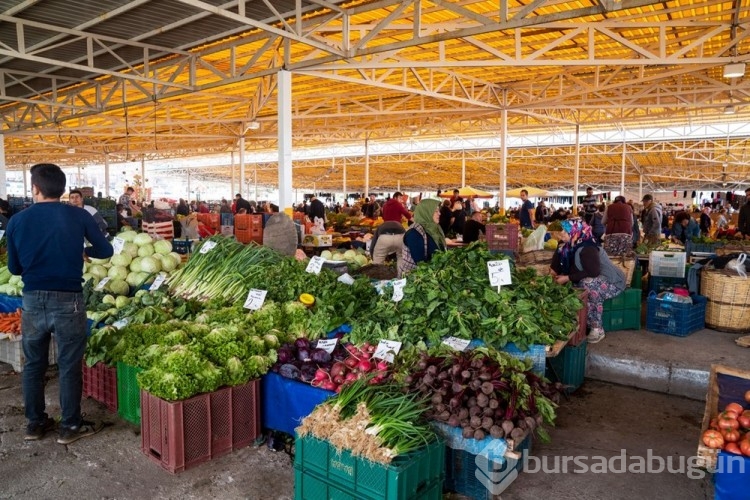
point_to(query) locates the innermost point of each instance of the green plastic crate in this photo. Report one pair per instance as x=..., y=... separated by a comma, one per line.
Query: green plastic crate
x=403, y=478
x=308, y=486
x=624, y=319
x=637, y=281
x=128, y=393
x=568, y=367
x=628, y=299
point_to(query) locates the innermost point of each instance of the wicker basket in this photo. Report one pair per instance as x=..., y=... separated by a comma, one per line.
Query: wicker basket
x=728, y=307
x=627, y=264
x=536, y=257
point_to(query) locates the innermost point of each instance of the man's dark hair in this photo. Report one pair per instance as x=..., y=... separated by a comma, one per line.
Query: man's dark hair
x=681, y=216
x=524, y=191
x=76, y=191
x=49, y=179
x=130, y=190
x=238, y=195
x=590, y=189
x=456, y=191
x=397, y=194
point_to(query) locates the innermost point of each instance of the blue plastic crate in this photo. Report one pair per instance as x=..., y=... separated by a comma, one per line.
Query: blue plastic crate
x=462, y=474
x=537, y=353
x=182, y=246
x=691, y=247
x=676, y=318
x=285, y=402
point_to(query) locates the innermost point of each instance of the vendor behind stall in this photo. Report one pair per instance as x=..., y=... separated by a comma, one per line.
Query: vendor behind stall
x=684, y=227
x=423, y=238
x=580, y=261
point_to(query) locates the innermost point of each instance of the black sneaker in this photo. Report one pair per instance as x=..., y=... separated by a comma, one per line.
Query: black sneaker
x=68, y=435
x=34, y=432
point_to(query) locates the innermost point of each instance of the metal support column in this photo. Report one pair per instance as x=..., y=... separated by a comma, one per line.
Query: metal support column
x=242, y=189
x=367, y=166
x=622, y=173
x=106, y=177
x=503, y=156
x=284, y=120
x=576, y=169
x=3, y=170
x=463, y=167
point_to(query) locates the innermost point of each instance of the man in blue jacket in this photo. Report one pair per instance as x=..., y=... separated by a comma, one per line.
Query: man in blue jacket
x=45, y=246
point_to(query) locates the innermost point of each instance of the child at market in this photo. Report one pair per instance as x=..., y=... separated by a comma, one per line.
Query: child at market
x=580, y=261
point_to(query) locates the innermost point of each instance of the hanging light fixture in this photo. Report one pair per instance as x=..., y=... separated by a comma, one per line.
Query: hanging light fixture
x=730, y=109
x=734, y=70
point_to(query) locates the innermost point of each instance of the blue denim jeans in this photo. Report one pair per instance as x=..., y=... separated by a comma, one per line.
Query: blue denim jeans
x=64, y=314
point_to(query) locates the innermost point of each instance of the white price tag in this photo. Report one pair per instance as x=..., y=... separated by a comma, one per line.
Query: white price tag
x=158, y=281
x=398, y=289
x=456, y=343
x=346, y=279
x=121, y=323
x=499, y=272
x=208, y=246
x=255, y=299
x=328, y=345
x=387, y=350
x=117, y=244
x=100, y=286
x=315, y=264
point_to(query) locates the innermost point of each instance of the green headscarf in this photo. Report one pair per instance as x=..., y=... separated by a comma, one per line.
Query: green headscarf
x=423, y=217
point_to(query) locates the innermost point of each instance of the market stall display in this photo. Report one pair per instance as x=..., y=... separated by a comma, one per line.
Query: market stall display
x=728, y=296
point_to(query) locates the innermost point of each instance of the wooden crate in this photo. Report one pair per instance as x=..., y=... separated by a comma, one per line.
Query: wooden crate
x=725, y=385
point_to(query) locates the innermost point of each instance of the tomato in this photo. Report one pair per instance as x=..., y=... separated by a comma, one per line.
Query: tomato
x=726, y=422
x=745, y=447
x=747, y=397
x=729, y=414
x=735, y=407
x=744, y=420
x=714, y=439
x=714, y=424
x=733, y=448
x=731, y=435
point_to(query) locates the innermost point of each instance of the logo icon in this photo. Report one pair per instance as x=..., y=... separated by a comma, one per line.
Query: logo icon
x=495, y=469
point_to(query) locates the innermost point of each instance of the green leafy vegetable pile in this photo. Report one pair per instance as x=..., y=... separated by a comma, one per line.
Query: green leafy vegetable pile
x=451, y=295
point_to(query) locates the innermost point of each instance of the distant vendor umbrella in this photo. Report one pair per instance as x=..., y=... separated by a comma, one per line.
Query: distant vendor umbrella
x=533, y=192
x=467, y=192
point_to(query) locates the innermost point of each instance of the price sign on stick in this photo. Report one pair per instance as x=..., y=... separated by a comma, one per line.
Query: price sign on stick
x=255, y=299
x=456, y=343
x=208, y=246
x=100, y=286
x=387, y=350
x=398, y=289
x=499, y=271
x=315, y=264
x=117, y=244
x=158, y=281
x=328, y=345
x=2, y=233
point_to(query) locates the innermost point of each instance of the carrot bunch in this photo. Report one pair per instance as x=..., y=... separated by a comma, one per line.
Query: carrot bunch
x=11, y=322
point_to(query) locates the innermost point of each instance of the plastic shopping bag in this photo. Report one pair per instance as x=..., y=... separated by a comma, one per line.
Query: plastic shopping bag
x=535, y=241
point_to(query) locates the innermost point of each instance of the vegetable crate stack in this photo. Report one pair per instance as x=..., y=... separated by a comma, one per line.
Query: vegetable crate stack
x=568, y=367
x=11, y=352
x=248, y=227
x=182, y=434
x=502, y=237
x=100, y=384
x=724, y=445
x=623, y=312
x=675, y=317
x=369, y=442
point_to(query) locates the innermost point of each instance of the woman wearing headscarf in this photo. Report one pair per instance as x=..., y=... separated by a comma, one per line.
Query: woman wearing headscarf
x=580, y=261
x=423, y=238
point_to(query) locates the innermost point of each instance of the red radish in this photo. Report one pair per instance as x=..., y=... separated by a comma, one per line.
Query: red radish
x=338, y=368
x=321, y=374
x=366, y=355
x=365, y=366
x=338, y=389
x=351, y=362
x=316, y=383
x=382, y=366
x=351, y=377
x=328, y=385
x=338, y=380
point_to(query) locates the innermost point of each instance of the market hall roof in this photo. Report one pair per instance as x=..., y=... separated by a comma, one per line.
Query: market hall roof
x=174, y=78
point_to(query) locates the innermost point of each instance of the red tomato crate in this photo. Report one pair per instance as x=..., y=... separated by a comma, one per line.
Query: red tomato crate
x=100, y=384
x=182, y=434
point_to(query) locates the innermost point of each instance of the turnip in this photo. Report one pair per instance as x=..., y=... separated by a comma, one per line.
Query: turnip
x=479, y=434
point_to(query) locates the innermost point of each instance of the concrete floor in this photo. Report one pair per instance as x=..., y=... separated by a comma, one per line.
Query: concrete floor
x=599, y=420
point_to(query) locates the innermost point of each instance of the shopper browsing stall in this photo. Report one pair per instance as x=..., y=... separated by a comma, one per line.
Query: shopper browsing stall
x=423, y=238
x=618, y=223
x=581, y=262
x=44, y=247
x=684, y=227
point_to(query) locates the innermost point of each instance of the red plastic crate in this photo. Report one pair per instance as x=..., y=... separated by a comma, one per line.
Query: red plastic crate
x=255, y=234
x=580, y=334
x=182, y=434
x=100, y=384
x=248, y=221
x=502, y=236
